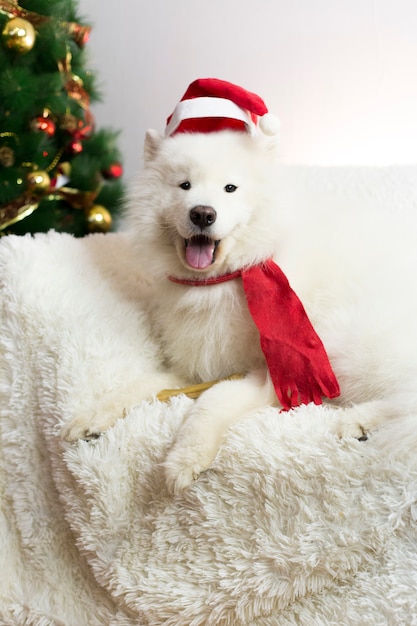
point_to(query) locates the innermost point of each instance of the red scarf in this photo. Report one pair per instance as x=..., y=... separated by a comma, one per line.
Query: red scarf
x=298, y=364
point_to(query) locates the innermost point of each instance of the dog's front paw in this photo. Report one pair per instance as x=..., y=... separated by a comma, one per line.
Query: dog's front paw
x=180, y=472
x=185, y=463
x=78, y=429
x=350, y=423
x=89, y=426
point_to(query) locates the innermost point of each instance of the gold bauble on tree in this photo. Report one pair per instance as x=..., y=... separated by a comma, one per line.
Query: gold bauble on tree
x=18, y=35
x=99, y=219
x=38, y=181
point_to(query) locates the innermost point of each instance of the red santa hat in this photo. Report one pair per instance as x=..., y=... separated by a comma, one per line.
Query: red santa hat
x=210, y=105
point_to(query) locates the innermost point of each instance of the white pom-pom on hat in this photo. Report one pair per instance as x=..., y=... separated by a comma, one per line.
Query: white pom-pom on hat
x=269, y=124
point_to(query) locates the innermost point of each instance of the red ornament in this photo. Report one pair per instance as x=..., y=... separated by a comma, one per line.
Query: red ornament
x=75, y=146
x=44, y=124
x=115, y=170
x=79, y=129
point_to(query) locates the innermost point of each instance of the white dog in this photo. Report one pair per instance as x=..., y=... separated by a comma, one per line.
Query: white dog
x=209, y=204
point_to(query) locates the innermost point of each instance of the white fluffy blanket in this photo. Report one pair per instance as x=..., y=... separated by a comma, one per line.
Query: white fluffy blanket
x=290, y=526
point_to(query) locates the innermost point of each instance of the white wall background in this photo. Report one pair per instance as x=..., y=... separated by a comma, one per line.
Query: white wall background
x=340, y=74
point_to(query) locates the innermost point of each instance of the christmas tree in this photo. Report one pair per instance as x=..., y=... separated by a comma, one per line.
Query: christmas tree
x=56, y=170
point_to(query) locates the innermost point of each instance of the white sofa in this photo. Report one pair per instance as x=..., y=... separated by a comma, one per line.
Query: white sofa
x=290, y=526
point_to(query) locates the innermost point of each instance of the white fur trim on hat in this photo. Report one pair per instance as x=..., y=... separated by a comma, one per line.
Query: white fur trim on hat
x=208, y=107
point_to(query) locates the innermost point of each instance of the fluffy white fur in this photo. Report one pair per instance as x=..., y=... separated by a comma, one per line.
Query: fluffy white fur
x=352, y=269
x=291, y=525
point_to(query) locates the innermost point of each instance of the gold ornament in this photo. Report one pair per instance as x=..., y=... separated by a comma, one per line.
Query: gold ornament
x=99, y=219
x=64, y=169
x=38, y=181
x=18, y=35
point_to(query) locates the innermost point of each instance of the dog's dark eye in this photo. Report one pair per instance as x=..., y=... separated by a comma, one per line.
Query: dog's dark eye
x=186, y=185
x=230, y=188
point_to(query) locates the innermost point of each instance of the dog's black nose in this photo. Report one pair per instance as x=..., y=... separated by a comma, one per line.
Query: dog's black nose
x=203, y=216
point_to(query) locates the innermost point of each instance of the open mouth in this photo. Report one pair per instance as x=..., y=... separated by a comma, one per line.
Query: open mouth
x=200, y=251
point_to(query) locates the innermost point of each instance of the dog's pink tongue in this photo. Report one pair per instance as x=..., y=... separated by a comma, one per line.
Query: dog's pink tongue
x=199, y=253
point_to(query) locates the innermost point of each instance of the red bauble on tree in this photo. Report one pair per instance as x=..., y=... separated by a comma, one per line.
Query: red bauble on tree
x=115, y=170
x=75, y=146
x=45, y=124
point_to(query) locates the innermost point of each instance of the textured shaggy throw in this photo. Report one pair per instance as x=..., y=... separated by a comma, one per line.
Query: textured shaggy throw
x=290, y=526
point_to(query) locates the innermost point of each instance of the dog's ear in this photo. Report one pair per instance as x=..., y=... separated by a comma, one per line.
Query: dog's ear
x=152, y=142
